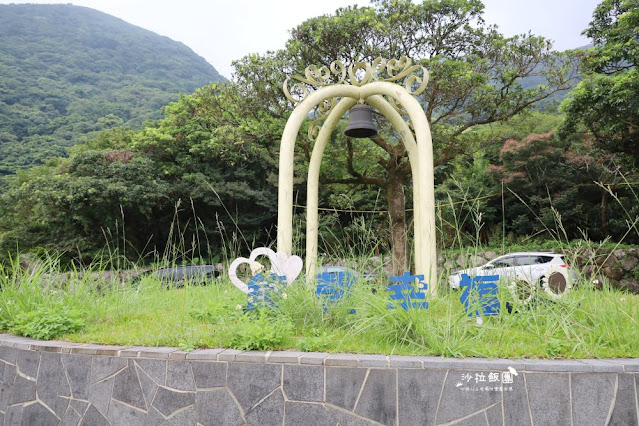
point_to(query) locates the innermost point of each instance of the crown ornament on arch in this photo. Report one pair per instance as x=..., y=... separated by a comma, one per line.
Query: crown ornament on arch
x=296, y=88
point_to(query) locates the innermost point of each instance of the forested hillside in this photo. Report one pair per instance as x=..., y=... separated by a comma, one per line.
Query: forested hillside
x=201, y=182
x=67, y=71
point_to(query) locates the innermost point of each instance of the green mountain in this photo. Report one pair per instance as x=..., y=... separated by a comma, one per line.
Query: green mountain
x=67, y=71
x=556, y=98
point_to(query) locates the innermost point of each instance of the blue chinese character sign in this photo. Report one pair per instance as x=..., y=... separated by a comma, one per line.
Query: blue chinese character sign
x=263, y=290
x=480, y=295
x=410, y=290
x=331, y=286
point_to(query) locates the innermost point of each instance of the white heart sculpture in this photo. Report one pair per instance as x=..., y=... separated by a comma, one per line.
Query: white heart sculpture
x=281, y=265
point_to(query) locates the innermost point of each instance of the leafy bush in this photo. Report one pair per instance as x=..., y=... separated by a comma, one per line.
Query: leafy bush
x=47, y=322
x=260, y=332
x=319, y=341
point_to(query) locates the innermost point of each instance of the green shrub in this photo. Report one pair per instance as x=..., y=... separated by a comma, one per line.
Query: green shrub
x=317, y=342
x=260, y=332
x=47, y=323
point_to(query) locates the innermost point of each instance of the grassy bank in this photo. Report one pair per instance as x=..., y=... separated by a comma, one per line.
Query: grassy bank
x=586, y=323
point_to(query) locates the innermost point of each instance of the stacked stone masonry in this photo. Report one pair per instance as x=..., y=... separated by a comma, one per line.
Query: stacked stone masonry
x=59, y=383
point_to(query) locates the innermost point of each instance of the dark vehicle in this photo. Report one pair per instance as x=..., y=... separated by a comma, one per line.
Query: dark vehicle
x=180, y=275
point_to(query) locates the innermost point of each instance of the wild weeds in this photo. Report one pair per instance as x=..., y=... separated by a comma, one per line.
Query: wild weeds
x=91, y=305
x=585, y=323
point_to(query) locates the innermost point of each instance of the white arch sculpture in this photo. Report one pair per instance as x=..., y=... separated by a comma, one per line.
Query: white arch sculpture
x=371, y=89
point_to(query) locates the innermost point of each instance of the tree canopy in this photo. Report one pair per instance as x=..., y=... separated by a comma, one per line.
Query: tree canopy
x=187, y=183
x=606, y=102
x=476, y=78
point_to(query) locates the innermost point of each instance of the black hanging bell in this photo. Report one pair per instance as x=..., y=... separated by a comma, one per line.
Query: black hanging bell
x=360, y=122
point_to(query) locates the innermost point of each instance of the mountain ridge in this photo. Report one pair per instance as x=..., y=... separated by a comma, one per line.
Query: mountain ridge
x=67, y=71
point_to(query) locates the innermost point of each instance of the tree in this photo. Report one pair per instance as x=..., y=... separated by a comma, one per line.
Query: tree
x=77, y=206
x=606, y=102
x=476, y=76
x=218, y=153
x=466, y=196
x=564, y=187
x=204, y=169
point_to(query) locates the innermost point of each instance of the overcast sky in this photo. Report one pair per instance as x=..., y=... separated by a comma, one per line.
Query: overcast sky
x=224, y=30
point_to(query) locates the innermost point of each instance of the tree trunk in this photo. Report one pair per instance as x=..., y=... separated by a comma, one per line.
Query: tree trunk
x=603, y=211
x=398, y=168
x=397, y=212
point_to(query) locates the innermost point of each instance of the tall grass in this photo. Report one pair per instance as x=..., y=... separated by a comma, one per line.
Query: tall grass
x=94, y=305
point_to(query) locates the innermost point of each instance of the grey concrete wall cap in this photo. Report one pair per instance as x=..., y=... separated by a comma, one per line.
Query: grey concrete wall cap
x=404, y=361
x=287, y=357
x=160, y=352
x=341, y=360
x=313, y=358
x=204, y=354
x=613, y=365
x=228, y=355
x=257, y=357
x=367, y=360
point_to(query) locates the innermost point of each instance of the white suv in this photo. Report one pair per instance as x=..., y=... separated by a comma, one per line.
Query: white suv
x=523, y=271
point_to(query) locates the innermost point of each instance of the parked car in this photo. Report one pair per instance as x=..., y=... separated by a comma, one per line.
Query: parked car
x=523, y=271
x=179, y=275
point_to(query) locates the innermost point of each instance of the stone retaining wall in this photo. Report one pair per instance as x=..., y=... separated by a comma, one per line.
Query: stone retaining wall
x=58, y=383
